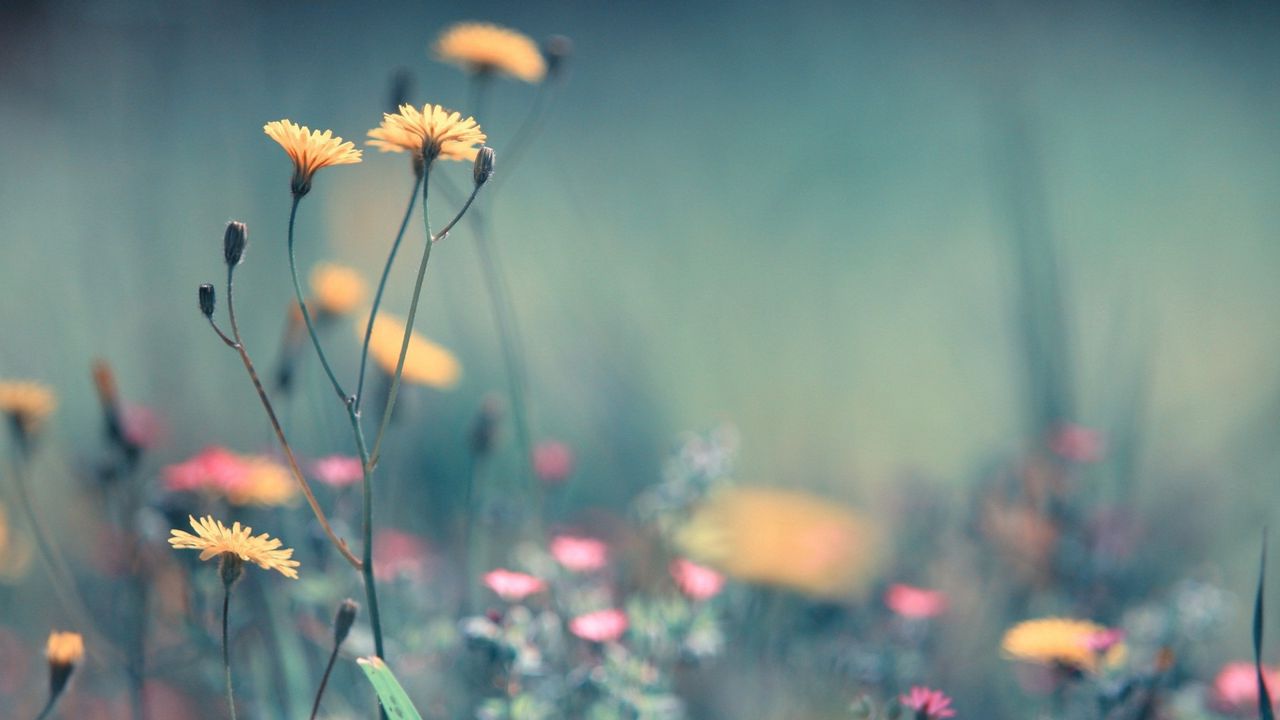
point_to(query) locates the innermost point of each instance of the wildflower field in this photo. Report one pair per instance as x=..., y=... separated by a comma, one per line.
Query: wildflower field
x=609, y=361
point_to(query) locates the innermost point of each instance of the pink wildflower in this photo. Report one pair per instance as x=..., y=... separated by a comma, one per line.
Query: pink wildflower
x=1100, y=642
x=513, y=586
x=600, y=626
x=338, y=470
x=1077, y=443
x=915, y=603
x=397, y=553
x=142, y=426
x=579, y=554
x=552, y=462
x=214, y=468
x=1235, y=689
x=696, y=581
x=928, y=704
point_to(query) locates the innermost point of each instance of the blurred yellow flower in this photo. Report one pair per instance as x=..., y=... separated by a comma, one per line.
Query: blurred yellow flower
x=444, y=133
x=64, y=648
x=310, y=150
x=1073, y=643
x=426, y=362
x=483, y=47
x=783, y=537
x=27, y=403
x=336, y=289
x=264, y=482
x=214, y=539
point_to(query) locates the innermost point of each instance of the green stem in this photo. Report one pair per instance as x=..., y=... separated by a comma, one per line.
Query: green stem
x=324, y=681
x=413, y=313
x=48, y=708
x=226, y=651
x=366, y=569
x=302, y=305
x=382, y=286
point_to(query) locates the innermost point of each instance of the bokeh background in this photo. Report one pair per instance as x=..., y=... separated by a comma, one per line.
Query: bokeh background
x=827, y=223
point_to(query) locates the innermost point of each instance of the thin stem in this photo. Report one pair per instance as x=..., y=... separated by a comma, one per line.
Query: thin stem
x=226, y=650
x=239, y=347
x=48, y=707
x=229, y=342
x=324, y=681
x=520, y=142
x=408, y=327
x=465, y=206
x=302, y=305
x=370, y=589
x=382, y=286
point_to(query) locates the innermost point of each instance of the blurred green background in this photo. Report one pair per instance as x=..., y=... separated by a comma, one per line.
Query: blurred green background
x=794, y=217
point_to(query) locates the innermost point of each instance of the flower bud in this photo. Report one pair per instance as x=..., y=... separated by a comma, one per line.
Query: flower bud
x=483, y=168
x=208, y=299
x=345, y=619
x=64, y=651
x=233, y=242
x=557, y=50
x=230, y=567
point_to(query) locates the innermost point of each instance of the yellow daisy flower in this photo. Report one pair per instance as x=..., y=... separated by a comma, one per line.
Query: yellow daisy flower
x=28, y=403
x=64, y=648
x=443, y=132
x=483, y=47
x=336, y=289
x=310, y=150
x=783, y=537
x=1060, y=641
x=214, y=539
x=426, y=363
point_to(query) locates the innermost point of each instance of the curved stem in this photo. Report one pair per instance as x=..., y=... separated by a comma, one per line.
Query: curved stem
x=302, y=305
x=408, y=326
x=239, y=347
x=324, y=681
x=444, y=232
x=226, y=651
x=382, y=286
x=48, y=708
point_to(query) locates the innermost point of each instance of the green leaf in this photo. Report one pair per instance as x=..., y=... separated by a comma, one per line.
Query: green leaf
x=394, y=701
x=1264, y=696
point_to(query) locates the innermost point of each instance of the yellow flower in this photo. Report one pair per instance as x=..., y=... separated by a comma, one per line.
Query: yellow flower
x=214, y=539
x=783, y=537
x=484, y=47
x=337, y=289
x=265, y=482
x=426, y=363
x=64, y=648
x=310, y=150
x=28, y=403
x=443, y=132
x=1060, y=641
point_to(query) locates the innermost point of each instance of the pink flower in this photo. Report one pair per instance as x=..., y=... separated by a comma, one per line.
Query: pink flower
x=579, y=554
x=213, y=469
x=928, y=703
x=338, y=470
x=915, y=603
x=600, y=626
x=142, y=426
x=552, y=462
x=1077, y=443
x=1100, y=642
x=513, y=586
x=397, y=554
x=696, y=581
x=1235, y=689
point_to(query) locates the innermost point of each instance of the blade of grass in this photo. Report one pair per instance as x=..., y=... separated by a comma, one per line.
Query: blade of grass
x=393, y=698
x=1264, y=696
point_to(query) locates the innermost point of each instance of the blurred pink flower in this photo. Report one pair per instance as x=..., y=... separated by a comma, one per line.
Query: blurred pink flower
x=1235, y=689
x=600, y=626
x=552, y=462
x=213, y=468
x=513, y=586
x=397, y=553
x=1100, y=642
x=928, y=703
x=142, y=426
x=579, y=554
x=696, y=581
x=338, y=470
x=913, y=602
x=1077, y=443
